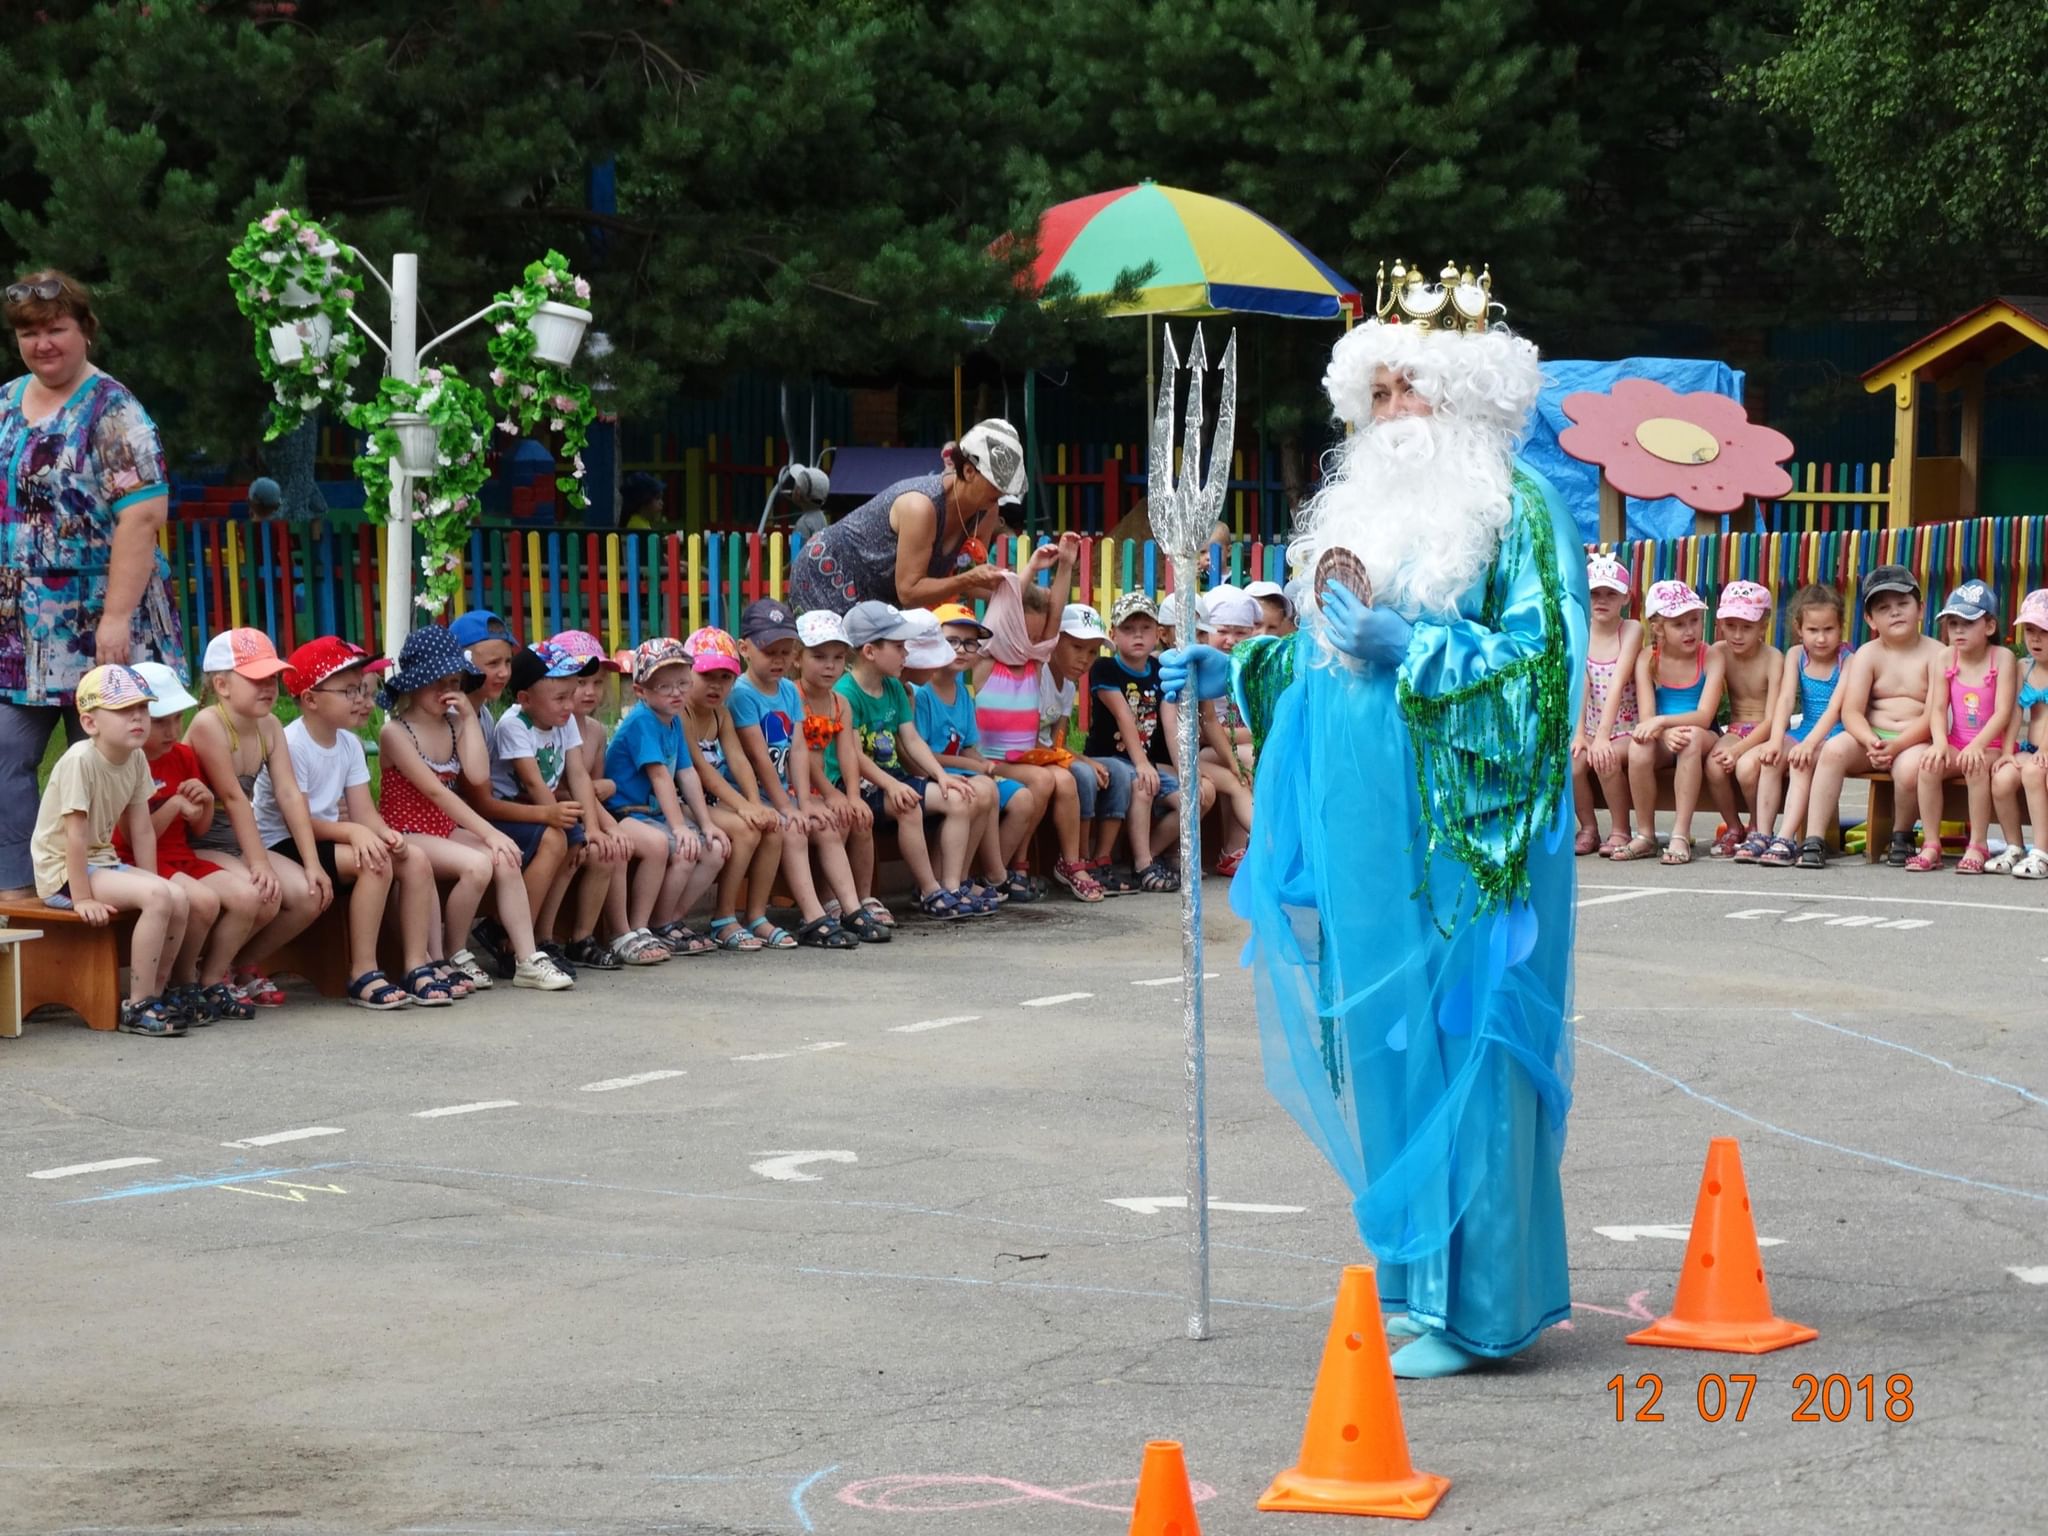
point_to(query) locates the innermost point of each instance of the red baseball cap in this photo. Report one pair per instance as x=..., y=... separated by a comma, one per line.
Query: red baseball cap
x=317, y=660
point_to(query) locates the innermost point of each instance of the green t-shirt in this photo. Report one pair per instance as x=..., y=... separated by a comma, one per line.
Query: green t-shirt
x=877, y=718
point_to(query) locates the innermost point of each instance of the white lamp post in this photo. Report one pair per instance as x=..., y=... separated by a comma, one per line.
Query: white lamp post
x=558, y=332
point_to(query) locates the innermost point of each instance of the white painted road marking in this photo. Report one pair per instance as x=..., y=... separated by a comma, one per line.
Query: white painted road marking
x=1632, y=893
x=108, y=1166
x=1152, y=1205
x=1057, y=997
x=783, y=1166
x=1171, y=981
x=802, y=1050
x=1677, y=1231
x=464, y=1109
x=1902, y=901
x=1758, y=914
x=2028, y=1275
x=631, y=1082
x=275, y=1137
x=924, y=1024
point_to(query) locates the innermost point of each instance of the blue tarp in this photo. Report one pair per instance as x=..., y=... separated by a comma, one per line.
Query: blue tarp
x=1579, y=484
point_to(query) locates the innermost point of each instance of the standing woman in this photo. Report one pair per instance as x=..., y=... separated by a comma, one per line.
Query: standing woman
x=923, y=541
x=81, y=583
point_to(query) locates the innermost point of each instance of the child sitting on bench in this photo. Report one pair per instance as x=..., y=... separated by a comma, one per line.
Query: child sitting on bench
x=102, y=781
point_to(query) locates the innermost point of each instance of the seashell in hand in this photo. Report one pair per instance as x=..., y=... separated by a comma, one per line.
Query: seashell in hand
x=1342, y=565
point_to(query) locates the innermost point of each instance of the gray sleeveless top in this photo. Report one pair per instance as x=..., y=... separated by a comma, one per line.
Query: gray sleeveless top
x=854, y=560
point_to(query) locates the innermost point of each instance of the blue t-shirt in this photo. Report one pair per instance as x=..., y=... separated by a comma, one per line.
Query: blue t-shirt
x=948, y=729
x=642, y=742
x=775, y=713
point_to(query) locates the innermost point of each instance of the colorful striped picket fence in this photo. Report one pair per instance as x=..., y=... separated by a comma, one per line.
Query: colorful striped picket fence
x=298, y=581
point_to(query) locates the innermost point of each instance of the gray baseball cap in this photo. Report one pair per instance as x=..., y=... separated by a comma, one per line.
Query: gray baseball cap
x=867, y=622
x=1889, y=578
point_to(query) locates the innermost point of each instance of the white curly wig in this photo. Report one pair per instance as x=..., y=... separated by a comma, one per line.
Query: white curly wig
x=1421, y=500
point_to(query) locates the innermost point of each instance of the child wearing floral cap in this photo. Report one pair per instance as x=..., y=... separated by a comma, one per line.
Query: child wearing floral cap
x=1970, y=710
x=1752, y=668
x=1600, y=744
x=2025, y=765
x=98, y=784
x=1683, y=680
x=658, y=798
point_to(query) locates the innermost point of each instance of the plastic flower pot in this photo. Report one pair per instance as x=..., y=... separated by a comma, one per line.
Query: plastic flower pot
x=304, y=336
x=558, y=332
x=419, y=443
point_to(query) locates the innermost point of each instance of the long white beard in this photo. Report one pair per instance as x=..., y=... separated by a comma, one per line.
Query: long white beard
x=1422, y=501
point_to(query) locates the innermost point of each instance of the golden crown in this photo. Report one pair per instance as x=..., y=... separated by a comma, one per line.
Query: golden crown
x=1456, y=301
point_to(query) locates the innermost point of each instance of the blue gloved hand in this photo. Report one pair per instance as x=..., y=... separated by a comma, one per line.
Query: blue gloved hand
x=1204, y=665
x=1376, y=636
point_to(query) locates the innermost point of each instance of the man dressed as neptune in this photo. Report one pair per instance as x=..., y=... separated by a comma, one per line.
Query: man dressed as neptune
x=1410, y=880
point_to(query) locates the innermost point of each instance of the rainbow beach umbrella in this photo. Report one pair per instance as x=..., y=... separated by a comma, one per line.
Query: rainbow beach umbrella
x=1212, y=256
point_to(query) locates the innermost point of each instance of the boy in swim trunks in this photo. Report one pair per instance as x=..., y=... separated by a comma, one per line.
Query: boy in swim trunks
x=1751, y=669
x=1884, y=695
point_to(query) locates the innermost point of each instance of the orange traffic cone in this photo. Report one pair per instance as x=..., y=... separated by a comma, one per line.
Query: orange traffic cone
x=1722, y=1300
x=1166, y=1503
x=1354, y=1453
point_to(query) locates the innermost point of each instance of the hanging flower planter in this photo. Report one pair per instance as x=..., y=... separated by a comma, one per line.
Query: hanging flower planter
x=295, y=284
x=558, y=332
x=531, y=351
x=419, y=443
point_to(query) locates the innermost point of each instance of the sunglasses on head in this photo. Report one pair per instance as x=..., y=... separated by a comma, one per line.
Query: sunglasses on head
x=43, y=288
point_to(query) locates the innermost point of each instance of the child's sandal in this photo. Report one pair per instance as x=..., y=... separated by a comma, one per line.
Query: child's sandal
x=774, y=938
x=153, y=1017
x=727, y=934
x=1115, y=882
x=373, y=990
x=1928, y=858
x=1726, y=844
x=1641, y=846
x=427, y=988
x=1614, y=843
x=1677, y=851
x=1076, y=878
x=1752, y=849
x=2004, y=864
x=640, y=947
x=1813, y=854
x=1973, y=859
x=457, y=982
x=864, y=928
x=941, y=904
x=1588, y=841
x=824, y=933
x=680, y=940
x=1158, y=878
x=881, y=914
x=2032, y=867
x=1780, y=853
x=1900, y=851
x=1021, y=888
x=1228, y=864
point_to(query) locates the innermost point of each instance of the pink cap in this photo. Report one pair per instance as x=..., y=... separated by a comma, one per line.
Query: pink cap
x=2034, y=609
x=247, y=651
x=582, y=644
x=1744, y=600
x=713, y=650
x=1608, y=572
x=1668, y=599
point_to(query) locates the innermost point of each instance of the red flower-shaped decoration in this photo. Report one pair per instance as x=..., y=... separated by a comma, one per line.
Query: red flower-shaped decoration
x=1653, y=442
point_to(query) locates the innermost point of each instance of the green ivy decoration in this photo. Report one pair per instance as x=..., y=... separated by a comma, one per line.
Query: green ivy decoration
x=286, y=247
x=527, y=391
x=446, y=502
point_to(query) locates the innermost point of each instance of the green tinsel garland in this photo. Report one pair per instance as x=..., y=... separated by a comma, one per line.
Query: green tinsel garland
x=1468, y=743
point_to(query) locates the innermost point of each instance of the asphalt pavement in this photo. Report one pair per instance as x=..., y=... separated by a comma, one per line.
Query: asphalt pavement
x=889, y=1241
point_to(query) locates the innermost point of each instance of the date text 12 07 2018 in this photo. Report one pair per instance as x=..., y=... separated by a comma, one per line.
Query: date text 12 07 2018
x=1830, y=1399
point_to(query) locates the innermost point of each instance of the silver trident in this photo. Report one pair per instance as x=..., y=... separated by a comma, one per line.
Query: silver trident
x=1184, y=507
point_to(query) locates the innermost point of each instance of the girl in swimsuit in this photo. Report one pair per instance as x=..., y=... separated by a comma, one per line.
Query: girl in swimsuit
x=1600, y=744
x=1970, y=708
x=733, y=798
x=1808, y=688
x=1683, y=680
x=2025, y=764
x=235, y=738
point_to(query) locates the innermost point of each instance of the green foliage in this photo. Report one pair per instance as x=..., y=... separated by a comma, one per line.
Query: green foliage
x=528, y=391
x=446, y=501
x=1931, y=117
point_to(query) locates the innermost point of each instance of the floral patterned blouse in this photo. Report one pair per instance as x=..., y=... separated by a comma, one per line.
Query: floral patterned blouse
x=68, y=479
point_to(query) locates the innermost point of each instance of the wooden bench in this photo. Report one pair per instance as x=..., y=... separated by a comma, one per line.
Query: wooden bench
x=11, y=942
x=73, y=965
x=1878, y=821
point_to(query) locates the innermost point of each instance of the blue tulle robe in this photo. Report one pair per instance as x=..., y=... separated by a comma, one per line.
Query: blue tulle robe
x=1412, y=932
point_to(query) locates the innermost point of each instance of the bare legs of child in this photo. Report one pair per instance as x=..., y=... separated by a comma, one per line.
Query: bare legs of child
x=741, y=869
x=1931, y=781
x=655, y=877
x=1729, y=792
x=292, y=916
x=2012, y=777
x=1052, y=792
x=1608, y=767
x=1235, y=796
x=1684, y=750
x=162, y=911
x=467, y=869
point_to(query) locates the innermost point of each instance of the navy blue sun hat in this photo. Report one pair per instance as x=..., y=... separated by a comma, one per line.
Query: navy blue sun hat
x=427, y=656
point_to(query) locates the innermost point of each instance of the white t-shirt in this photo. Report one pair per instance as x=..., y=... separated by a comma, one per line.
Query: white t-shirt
x=324, y=773
x=1056, y=703
x=518, y=737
